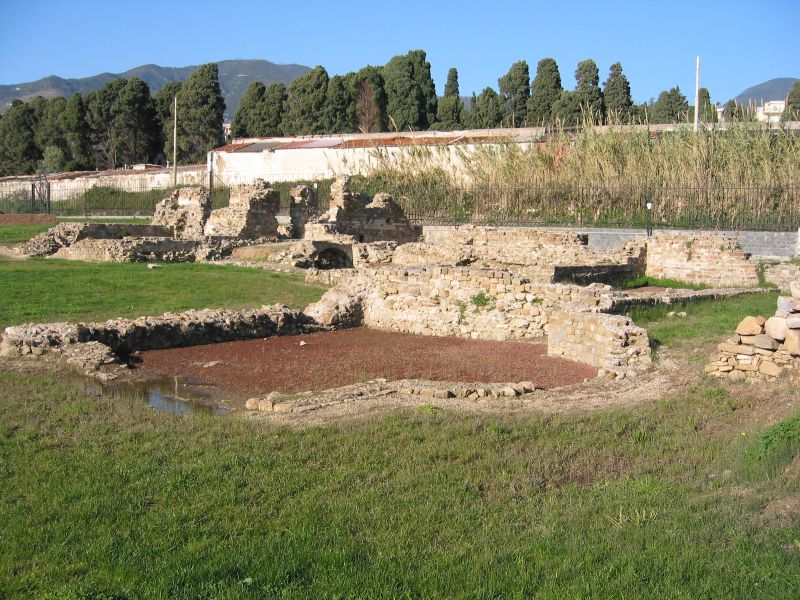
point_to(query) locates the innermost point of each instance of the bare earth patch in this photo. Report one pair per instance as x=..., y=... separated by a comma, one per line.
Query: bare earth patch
x=329, y=360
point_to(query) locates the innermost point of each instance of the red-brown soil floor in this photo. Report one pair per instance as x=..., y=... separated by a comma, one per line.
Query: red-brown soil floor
x=329, y=360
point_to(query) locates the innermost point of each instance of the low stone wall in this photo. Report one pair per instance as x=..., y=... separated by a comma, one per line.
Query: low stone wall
x=130, y=249
x=782, y=275
x=612, y=343
x=707, y=258
x=763, y=349
x=26, y=219
x=169, y=330
x=250, y=213
x=64, y=235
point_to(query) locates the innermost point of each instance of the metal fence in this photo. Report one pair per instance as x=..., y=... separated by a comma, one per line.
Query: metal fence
x=769, y=208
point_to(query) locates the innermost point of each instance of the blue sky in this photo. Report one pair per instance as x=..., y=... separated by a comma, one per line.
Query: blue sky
x=740, y=43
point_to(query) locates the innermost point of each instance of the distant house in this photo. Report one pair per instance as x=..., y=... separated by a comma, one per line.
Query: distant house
x=770, y=111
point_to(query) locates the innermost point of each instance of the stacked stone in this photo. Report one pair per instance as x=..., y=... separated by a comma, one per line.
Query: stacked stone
x=762, y=349
x=303, y=208
x=782, y=275
x=185, y=212
x=250, y=214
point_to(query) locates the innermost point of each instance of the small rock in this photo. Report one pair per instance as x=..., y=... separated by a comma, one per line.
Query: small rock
x=213, y=363
x=252, y=404
x=770, y=369
x=776, y=327
x=750, y=326
x=265, y=406
x=303, y=343
x=682, y=315
x=766, y=342
x=153, y=266
x=671, y=314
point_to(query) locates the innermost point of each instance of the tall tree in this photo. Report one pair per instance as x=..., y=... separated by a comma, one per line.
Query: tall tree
x=76, y=133
x=545, y=91
x=515, y=89
x=428, y=100
x=305, y=103
x=269, y=113
x=617, y=95
x=410, y=91
x=137, y=130
x=451, y=107
x=671, y=107
x=242, y=124
x=164, y=102
x=708, y=112
x=368, y=111
x=338, y=101
x=48, y=127
x=200, y=112
x=792, y=110
x=588, y=93
x=100, y=118
x=18, y=152
x=486, y=111
x=567, y=109
x=734, y=111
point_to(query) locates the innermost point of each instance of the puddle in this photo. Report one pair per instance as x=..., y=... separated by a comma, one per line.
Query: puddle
x=169, y=396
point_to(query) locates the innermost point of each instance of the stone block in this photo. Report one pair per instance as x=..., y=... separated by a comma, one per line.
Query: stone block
x=775, y=327
x=750, y=326
x=788, y=304
x=735, y=348
x=792, y=342
x=770, y=369
x=794, y=288
x=766, y=342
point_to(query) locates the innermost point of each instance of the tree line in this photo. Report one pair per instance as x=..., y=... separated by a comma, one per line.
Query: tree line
x=401, y=96
x=122, y=123
x=119, y=124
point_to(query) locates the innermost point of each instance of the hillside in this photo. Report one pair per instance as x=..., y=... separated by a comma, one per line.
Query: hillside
x=234, y=76
x=774, y=89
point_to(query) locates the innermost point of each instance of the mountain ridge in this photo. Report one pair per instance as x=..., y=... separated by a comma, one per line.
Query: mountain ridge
x=234, y=77
x=772, y=89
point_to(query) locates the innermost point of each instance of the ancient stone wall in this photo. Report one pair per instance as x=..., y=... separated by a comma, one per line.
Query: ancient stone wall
x=705, y=258
x=66, y=234
x=303, y=208
x=544, y=255
x=380, y=219
x=130, y=249
x=782, y=275
x=169, y=330
x=185, y=212
x=612, y=343
x=763, y=349
x=250, y=213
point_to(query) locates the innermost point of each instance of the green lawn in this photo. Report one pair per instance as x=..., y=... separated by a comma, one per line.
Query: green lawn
x=15, y=234
x=104, y=498
x=42, y=290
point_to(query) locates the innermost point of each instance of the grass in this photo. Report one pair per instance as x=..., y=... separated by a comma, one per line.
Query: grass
x=16, y=234
x=644, y=281
x=706, y=321
x=39, y=290
x=104, y=498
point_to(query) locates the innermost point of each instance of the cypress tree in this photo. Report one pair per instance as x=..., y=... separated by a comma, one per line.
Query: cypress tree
x=242, y=124
x=588, y=93
x=486, y=111
x=671, y=107
x=451, y=107
x=76, y=133
x=269, y=112
x=18, y=152
x=708, y=112
x=200, y=113
x=617, y=95
x=410, y=91
x=136, y=127
x=305, y=103
x=545, y=92
x=368, y=111
x=428, y=101
x=792, y=110
x=100, y=117
x=515, y=89
x=48, y=131
x=338, y=101
x=163, y=100
x=567, y=109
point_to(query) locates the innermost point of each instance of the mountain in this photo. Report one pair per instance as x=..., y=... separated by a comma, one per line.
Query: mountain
x=234, y=76
x=774, y=89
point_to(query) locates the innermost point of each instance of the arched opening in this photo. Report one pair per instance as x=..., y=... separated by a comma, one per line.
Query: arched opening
x=332, y=258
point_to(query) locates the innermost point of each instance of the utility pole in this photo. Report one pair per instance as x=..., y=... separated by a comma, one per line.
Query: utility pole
x=697, y=97
x=175, y=142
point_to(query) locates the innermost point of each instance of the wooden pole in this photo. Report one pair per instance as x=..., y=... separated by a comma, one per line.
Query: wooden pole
x=175, y=143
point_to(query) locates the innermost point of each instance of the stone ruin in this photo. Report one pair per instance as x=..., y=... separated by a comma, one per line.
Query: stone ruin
x=303, y=208
x=351, y=217
x=250, y=214
x=185, y=212
x=763, y=349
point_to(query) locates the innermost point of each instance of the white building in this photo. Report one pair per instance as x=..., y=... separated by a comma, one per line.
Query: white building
x=771, y=111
